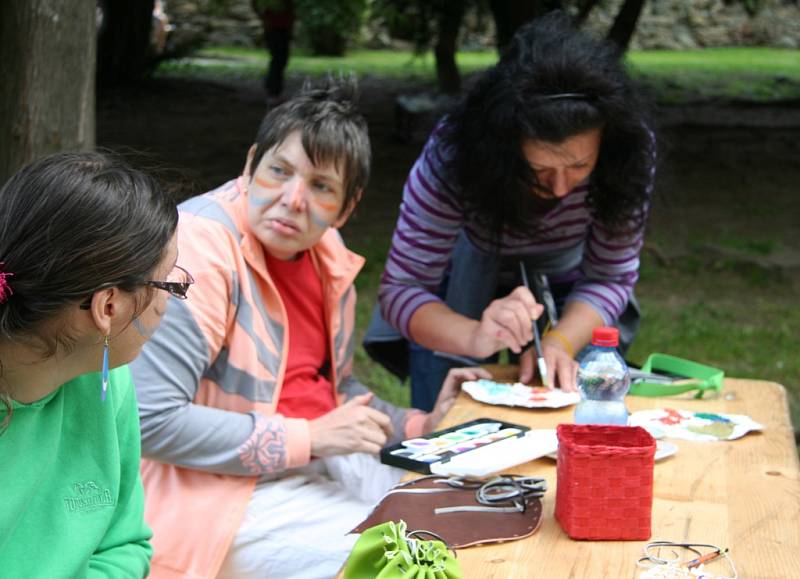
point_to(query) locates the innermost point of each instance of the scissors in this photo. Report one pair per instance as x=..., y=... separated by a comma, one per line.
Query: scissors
x=503, y=493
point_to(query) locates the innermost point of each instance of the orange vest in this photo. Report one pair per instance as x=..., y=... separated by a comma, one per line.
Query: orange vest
x=195, y=515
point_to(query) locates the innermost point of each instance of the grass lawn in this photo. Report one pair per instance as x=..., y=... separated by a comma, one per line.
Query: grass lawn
x=718, y=311
x=676, y=76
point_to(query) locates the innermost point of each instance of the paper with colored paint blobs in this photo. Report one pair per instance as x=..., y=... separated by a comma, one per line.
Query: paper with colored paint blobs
x=518, y=394
x=688, y=425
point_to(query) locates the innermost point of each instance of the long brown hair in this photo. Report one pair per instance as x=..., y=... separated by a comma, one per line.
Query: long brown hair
x=71, y=223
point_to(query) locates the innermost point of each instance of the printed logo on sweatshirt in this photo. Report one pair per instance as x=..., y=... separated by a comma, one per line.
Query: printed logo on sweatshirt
x=87, y=497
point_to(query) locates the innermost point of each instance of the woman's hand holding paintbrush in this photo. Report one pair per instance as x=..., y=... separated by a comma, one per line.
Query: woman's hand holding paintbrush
x=505, y=323
x=540, y=362
x=561, y=367
x=555, y=363
x=509, y=323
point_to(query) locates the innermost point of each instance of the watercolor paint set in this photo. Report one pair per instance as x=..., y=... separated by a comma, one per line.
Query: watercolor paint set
x=470, y=448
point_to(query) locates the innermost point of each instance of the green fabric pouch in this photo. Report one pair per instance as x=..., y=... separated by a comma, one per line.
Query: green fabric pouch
x=386, y=552
x=679, y=376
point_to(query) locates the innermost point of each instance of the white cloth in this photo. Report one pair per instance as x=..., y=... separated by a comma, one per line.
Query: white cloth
x=296, y=526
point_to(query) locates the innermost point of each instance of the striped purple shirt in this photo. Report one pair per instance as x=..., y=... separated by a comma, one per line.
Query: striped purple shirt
x=431, y=218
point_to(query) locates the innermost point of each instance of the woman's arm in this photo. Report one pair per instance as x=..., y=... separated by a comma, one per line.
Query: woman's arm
x=431, y=218
x=437, y=327
x=505, y=323
x=176, y=430
x=190, y=345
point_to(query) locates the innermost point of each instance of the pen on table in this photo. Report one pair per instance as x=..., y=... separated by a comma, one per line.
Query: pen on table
x=536, y=340
x=706, y=558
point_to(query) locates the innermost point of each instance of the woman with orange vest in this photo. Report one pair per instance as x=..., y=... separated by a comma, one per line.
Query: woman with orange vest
x=244, y=385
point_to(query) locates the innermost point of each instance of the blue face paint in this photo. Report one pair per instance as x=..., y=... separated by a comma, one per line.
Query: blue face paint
x=145, y=332
x=261, y=200
x=317, y=220
x=264, y=198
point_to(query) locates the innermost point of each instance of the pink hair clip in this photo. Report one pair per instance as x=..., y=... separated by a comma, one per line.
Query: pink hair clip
x=5, y=287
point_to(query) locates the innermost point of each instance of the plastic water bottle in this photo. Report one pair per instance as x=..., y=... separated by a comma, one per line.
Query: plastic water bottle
x=603, y=381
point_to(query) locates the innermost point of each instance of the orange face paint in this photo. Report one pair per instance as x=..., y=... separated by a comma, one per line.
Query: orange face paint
x=326, y=206
x=261, y=182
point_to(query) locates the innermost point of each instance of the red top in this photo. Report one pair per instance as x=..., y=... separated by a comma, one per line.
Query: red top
x=605, y=336
x=306, y=392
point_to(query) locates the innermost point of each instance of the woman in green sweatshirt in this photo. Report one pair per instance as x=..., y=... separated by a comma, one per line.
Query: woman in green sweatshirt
x=87, y=245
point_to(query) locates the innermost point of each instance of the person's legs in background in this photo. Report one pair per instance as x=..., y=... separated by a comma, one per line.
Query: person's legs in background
x=277, y=20
x=278, y=41
x=427, y=374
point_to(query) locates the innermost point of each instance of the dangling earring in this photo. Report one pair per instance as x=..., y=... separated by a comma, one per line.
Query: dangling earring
x=105, y=370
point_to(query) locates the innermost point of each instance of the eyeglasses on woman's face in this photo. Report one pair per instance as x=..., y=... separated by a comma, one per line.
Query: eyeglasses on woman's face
x=177, y=284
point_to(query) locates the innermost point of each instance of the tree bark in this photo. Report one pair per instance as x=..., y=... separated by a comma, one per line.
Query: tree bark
x=47, y=67
x=327, y=42
x=625, y=24
x=509, y=15
x=447, y=75
x=124, y=41
x=584, y=8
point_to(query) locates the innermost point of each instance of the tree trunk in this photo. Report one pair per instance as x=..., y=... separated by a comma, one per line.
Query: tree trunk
x=47, y=67
x=584, y=8
x=449, y=79
x=509, y=15
x=625, y=24
x=124, y=40
x=327, y=42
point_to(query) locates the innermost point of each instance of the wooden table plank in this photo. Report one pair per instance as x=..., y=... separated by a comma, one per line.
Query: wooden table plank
x=743, y=494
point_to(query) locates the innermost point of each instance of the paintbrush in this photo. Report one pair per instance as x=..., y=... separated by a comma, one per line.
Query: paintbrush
x=536, y=340
x=706, y=558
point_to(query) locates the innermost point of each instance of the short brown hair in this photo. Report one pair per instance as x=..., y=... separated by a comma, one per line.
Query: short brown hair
x=332, y=131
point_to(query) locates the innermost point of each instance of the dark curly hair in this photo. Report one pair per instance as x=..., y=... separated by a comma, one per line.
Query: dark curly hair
x=551, y=83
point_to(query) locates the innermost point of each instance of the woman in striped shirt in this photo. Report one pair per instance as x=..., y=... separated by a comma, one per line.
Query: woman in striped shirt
x=550, y=160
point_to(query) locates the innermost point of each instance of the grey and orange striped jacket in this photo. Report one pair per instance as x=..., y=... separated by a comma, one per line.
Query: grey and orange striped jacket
x=209, y=380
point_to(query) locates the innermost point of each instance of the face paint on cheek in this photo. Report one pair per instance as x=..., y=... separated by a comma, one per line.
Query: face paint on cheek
x=317, y=220
x=328, y=208
x=262, y=199
x=145, y=331
x=261, y=182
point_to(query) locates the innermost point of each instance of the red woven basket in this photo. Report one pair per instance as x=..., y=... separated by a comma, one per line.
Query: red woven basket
x=605, y=481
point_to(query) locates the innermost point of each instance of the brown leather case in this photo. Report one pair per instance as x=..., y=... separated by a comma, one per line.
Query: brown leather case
x=461, y=529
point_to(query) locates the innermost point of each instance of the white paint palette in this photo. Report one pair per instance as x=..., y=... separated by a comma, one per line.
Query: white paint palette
x=475, y=448
x=518, y=394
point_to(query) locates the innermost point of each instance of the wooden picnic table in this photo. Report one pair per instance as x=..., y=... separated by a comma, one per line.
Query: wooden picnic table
x=742, y=494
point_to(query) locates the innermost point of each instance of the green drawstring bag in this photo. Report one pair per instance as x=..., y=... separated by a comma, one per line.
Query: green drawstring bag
x=385, y=552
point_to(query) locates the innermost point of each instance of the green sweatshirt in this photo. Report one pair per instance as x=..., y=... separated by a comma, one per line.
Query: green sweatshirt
x=72, y=498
